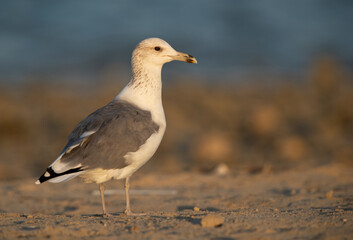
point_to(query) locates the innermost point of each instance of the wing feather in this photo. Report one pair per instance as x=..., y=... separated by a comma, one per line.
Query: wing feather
x=103, y=138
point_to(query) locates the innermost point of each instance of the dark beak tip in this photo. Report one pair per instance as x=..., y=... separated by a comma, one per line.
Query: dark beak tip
x=191, y=60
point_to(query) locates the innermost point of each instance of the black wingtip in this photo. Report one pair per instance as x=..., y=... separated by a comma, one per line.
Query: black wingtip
x=49, y=174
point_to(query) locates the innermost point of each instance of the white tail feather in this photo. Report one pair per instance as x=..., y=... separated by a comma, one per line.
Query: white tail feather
x=65, y=177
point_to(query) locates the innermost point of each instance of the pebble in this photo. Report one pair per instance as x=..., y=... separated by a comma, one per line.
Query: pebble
x=133, y=228
x=222, y=170
x=212, y=220
x=196, y=209
x=270, y=231
x=329, y=194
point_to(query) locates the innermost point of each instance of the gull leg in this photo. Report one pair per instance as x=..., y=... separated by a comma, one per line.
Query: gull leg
x=101, y=189
x=128, y=209
x=127, y=187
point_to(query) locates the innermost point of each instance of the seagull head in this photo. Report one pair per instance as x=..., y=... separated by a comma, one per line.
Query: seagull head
x=157, y=51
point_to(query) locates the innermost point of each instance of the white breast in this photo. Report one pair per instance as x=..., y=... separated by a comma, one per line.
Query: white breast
x=151, y=101
x=141, y=156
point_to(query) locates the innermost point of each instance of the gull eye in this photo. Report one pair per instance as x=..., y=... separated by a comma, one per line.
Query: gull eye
x=157, y=48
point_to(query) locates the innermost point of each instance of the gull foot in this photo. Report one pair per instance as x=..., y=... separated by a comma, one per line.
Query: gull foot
x=106, y=215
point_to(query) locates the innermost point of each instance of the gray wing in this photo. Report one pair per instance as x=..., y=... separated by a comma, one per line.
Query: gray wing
x=107, y=135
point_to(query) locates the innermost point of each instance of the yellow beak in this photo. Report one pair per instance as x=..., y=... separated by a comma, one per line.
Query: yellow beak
x=184, y=57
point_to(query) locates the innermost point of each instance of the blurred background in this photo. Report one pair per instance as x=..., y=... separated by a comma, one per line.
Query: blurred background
x=272, y=90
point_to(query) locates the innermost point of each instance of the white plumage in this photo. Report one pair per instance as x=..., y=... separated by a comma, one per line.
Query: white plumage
x=117, y=139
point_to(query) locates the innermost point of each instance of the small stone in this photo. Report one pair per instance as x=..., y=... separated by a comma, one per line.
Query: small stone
x=212, y=221
x=221, y=170
x=196, y=209
x=329, y=194
x=275, y=210
x=29, y=216
x=133, y=228
x=270, y=231
x=293, y=192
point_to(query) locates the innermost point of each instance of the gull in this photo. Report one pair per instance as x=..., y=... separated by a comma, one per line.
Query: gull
x=117, y=139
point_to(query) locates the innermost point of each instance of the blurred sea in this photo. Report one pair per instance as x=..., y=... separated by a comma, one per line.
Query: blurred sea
x=85, y=37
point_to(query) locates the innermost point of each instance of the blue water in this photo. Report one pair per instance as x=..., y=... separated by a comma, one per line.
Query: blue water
x=80, y=37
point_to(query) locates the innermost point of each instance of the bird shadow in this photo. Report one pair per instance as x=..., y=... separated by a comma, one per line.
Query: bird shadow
x=100, y=215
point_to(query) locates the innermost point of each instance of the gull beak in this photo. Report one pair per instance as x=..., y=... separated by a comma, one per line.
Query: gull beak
x=184, y=57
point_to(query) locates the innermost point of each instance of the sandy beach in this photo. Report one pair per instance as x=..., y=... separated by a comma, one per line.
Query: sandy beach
x=300, y=203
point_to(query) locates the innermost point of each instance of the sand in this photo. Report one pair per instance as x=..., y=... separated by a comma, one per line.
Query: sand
x=315, y=203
